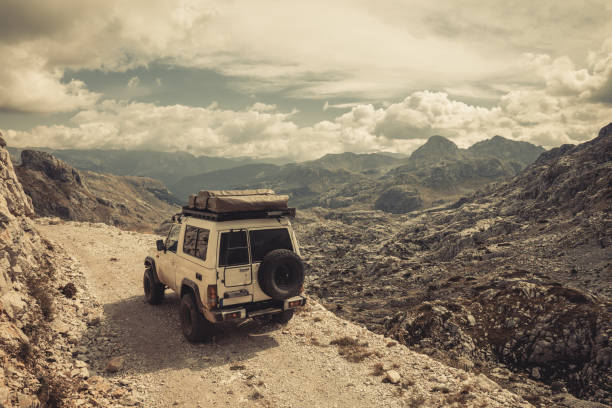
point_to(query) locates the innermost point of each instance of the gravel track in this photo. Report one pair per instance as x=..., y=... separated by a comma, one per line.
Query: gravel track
x=258, y=364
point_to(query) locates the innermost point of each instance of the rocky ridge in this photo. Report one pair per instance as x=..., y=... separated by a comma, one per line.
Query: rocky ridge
x=44, y=308
x=436, y=173
x=58, y=189
x=514, y=281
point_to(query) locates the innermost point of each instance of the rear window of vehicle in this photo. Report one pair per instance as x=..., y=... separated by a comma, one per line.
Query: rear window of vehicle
x=264, y=241
x=233, y=249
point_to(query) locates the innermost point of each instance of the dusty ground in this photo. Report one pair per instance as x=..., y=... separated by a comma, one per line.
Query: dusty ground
x=254, y=365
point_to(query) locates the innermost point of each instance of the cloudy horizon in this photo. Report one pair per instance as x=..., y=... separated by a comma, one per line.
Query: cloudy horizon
x=289, y=79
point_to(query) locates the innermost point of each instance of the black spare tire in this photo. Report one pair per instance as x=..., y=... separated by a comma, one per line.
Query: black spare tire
x=281, y=274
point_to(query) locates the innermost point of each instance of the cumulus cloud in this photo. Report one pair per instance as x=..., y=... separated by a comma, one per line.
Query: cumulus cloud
x=24, y=81
x=549, y=96
x=562, y=109
x=309, y=49
x=133, y=82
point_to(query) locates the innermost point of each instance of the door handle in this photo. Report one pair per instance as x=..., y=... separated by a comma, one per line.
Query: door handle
x=245, y=269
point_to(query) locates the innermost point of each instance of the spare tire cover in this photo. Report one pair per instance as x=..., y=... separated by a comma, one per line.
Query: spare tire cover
x=281, y=274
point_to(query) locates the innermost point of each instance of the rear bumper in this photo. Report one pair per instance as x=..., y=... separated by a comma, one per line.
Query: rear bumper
x=254, y=309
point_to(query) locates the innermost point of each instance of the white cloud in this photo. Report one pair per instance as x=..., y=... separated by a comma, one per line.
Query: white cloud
x=553, y=94
x=315, y=49
x=561, y=110
x=25, y=82
x=133, y=82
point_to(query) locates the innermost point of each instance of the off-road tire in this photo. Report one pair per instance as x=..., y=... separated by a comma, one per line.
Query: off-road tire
x=283, y=317
x=194, y=325
x=281, y=274
x=154, y=292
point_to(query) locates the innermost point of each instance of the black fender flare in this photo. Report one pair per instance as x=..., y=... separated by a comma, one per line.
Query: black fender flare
x=187, y=283
x=150, y=263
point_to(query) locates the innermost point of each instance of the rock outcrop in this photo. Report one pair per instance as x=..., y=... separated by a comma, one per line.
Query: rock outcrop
x=59, y=190
x=398, y=200
x=37, y=322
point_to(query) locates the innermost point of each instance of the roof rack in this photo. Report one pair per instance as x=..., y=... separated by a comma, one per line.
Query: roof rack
x=232, y=216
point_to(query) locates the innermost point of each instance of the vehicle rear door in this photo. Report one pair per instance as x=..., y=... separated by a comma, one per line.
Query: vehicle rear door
x=234, y=271
x=261, y=242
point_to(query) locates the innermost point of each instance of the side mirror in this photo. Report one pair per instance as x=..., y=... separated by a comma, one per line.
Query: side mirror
x=160, y=245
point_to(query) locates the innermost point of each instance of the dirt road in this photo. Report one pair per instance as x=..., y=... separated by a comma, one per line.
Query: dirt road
x=254, y=365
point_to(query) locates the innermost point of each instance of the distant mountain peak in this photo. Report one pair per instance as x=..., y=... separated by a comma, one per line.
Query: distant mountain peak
x=436, y=147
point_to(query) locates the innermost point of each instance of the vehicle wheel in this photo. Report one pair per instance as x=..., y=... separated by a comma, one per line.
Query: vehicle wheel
x=281, y=274
x=283, y=317
x=194, y=325
x=154, y=292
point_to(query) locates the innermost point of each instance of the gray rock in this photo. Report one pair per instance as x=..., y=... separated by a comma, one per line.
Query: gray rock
x=393, y=376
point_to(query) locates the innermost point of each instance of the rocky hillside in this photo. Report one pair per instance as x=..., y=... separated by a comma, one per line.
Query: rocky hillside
x=60, y=348
x=514, y=281
x=165, y=166
x=42, y=308
x=57, y=189
x=370, y=163
x=436, y=173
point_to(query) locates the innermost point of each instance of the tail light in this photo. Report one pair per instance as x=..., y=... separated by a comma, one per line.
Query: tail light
x=211, y=294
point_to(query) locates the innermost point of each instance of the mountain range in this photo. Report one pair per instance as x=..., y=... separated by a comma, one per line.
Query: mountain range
x=435, y=173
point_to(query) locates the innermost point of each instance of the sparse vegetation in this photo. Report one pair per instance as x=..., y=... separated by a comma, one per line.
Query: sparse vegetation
x=351, y=349
x=68, y=290
x=378, y=369
x=55, y=391
x=39, y=289
x=416, y=401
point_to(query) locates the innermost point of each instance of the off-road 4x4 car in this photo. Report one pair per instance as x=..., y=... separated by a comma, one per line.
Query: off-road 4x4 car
x=228, y=264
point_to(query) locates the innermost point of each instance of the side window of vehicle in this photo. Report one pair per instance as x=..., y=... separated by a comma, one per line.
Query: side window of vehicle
x=173, y=237
x=195, y=242
x=202, y=243
x=233, y=249
x=190, y=239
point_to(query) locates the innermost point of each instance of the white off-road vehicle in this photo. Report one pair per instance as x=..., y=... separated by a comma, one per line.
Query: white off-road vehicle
x=240, y=261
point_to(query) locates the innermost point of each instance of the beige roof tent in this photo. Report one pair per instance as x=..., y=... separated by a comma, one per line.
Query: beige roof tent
x=231, y=201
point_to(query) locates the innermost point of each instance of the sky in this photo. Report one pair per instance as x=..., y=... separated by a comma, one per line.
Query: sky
x=295, y=79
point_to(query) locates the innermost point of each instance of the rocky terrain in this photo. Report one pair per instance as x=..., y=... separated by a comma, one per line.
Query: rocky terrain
x=514, y=281
x=57, y=189
x=167, y=167
x=436, y=173
x=75, y=332
x=43, y=308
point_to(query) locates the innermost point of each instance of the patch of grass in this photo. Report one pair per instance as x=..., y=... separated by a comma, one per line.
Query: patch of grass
x=461, y=397
x=317, y=319
x=440, y=388
x=416, y=402
x=351, y=349
x=345, y=341
x=256, y=395
x=68, y=290
x=54, y=391
x=25, y=351
x=40, y=290
x=237, y=367
x=378, y=369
